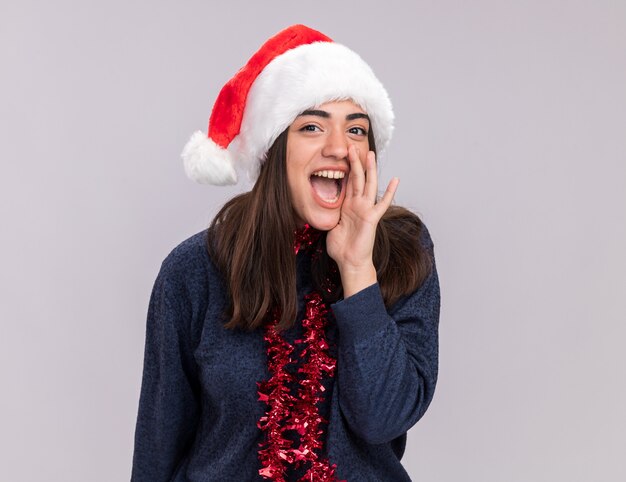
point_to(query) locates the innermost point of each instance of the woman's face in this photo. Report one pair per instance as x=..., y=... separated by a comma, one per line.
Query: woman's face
x=317, y=163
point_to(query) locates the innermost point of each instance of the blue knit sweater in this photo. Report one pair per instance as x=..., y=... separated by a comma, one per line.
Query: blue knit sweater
x=199, y=408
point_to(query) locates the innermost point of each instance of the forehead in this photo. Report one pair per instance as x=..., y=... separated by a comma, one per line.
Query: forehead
x=342, y=109
x=346, y=105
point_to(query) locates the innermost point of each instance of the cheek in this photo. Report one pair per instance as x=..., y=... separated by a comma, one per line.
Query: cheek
x=289, y=168
x=296, y=184
x=296, y=162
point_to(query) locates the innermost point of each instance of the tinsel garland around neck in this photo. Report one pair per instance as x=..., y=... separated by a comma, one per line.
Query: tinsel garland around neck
x=286, y=412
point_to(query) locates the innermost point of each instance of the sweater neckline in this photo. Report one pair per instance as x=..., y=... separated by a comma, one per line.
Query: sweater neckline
x=304, y=238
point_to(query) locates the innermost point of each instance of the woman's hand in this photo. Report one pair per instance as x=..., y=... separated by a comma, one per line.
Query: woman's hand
x=351, y=242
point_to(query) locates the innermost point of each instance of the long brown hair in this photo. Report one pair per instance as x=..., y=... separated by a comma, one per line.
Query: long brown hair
x=251, y=242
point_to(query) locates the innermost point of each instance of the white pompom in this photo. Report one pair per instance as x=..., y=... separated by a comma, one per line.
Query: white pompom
x=207, y=163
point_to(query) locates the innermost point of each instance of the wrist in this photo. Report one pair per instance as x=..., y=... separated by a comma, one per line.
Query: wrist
x=357, y=278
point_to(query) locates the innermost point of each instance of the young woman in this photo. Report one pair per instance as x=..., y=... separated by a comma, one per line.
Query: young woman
x=297, y=337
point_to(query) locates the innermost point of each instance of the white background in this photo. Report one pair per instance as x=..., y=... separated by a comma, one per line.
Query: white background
x=510, y=144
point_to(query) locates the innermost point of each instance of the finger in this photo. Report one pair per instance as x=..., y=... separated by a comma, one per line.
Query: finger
x=356, y=177
x=387, y=198
x=371, y=177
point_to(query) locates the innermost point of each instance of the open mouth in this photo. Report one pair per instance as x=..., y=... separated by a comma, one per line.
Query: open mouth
x=328, y=185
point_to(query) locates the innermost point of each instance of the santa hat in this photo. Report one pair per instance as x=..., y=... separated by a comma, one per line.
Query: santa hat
x=297, y=69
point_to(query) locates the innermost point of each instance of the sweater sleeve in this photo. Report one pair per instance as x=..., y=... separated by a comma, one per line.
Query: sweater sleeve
x=168, y=404
x=388, y=361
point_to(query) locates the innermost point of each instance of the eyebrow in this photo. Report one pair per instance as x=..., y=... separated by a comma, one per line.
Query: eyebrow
x=326, y=115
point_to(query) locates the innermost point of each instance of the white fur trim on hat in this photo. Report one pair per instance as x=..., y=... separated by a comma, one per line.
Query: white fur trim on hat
x=207, y=163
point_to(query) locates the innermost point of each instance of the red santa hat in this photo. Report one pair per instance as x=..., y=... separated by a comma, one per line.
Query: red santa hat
x=297, y=69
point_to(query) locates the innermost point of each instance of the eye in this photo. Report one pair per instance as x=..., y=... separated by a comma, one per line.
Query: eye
x=358, y=131
x=309, y=128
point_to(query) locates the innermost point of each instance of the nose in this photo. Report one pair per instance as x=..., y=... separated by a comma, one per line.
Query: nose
x=336, y=145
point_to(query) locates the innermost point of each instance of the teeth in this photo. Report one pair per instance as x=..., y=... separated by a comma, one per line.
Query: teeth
x=330, y=174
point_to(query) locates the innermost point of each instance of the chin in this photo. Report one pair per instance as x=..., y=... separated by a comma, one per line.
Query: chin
x=324, y=222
